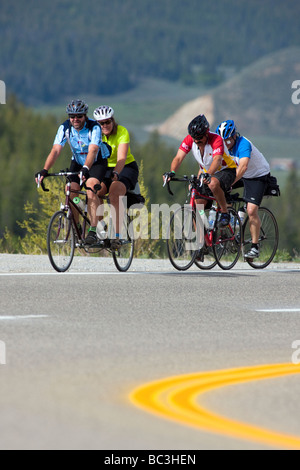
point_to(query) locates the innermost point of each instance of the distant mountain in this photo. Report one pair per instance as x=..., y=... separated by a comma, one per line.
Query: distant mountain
x=259, y=99
x=55, y=49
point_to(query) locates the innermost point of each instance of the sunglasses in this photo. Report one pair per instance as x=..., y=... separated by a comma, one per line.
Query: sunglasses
x=79, y=116
x=105, y=123
x=200, y=139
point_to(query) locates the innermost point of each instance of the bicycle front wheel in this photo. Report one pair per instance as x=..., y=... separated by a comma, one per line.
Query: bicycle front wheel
x=123, y=255
x=184, y=238
x=268, y=239
x=227, y=241
x=60, y=242
x=205, y=258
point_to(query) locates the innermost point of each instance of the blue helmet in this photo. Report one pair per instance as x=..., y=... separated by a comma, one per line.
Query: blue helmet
x=226, y=129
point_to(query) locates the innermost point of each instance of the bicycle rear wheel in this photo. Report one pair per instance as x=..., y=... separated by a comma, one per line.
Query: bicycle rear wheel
x=184, y=238
x=60, y=241
x=227, y=241
x=123, y=255
x=268, y=239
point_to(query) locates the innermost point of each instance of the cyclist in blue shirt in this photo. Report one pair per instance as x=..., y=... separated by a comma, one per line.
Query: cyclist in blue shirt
x=89, y=155
x=252, y=171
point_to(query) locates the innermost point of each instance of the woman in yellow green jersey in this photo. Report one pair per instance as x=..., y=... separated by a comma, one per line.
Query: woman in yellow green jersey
x=124, y=172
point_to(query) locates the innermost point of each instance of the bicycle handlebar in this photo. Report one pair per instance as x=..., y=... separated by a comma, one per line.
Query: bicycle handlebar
x=61, y=173
x=193, y=179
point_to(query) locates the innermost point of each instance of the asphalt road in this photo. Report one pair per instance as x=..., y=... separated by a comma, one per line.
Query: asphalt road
x=74, y=346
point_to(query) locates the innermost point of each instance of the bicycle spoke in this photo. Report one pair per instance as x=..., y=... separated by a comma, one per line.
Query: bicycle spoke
x=268, y=239
x=184, y=238
x=227, y=242
x=60, y=242
x=123, y=255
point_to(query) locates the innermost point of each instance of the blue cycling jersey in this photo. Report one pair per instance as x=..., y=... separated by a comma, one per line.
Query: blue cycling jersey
x=258, y=165
x=80, y=140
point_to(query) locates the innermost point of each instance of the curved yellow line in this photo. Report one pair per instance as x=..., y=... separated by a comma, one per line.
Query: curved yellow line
x=177, y=398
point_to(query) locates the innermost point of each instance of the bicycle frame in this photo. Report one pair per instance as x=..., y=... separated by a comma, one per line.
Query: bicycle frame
x=195, y=194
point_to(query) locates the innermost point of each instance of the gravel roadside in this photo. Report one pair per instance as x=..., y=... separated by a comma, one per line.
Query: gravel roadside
x=41, y=264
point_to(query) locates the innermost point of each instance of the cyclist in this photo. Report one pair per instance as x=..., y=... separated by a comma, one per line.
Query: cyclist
x=89, y=156
x=124, y=172
x=253, y=170
x=210, y=152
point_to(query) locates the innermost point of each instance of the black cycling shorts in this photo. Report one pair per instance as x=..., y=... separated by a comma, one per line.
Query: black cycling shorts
x=98, y=170
x=254, y=189
x=128, y=176
x=226, y=178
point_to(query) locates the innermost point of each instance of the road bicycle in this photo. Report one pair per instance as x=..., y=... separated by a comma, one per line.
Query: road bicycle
x=64, y=234
x=268, y=237
x=191, y=240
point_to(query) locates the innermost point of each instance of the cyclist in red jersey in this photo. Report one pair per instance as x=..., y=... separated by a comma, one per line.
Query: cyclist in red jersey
x=214, y=159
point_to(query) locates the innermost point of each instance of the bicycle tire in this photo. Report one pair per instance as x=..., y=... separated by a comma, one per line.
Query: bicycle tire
x=268, y=239
x=227, y=241
x=182, y=239
x=60, y=241
x=123, y=255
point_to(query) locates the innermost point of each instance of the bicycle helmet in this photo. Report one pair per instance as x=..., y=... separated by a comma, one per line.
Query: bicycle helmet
x=103, y=112
x=77, y=107
x=198, y=127
x=226, y=129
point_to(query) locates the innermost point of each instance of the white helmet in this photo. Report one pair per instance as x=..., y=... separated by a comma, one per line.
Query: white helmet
x=103, y=112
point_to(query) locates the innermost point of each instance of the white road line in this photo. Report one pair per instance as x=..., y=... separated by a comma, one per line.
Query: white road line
x=280, y=310
x=21, y=317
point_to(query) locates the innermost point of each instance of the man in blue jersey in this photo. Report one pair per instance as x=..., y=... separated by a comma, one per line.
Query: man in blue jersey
x=89, y=156
x=253, y=170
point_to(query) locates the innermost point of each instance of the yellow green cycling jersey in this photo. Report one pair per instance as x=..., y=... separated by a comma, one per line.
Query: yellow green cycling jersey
x=114, y=140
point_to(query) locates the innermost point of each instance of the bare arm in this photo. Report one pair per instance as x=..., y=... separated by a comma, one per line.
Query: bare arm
x=178, y=159
x=242, y=168
x=121, y=158
x=92, y=154
x=51, y=159
x=216, y=163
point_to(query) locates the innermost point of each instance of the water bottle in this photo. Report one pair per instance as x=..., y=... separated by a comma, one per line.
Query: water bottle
x=79, y=203
x=204, y=219
x=242, y=215
x=212, y=218
x=101, y=230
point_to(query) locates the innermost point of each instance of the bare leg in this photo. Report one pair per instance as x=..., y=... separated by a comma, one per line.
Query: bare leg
x=116, y=192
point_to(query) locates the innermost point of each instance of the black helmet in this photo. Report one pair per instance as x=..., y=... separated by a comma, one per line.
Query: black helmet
x=77, y=107
x=198, y=127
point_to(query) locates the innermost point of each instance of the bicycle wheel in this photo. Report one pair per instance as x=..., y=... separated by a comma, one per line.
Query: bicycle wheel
x=268, y=239
x=60, y=241
x=227, y=241
x=184, y=238
x=205, y=258
x=123, y=255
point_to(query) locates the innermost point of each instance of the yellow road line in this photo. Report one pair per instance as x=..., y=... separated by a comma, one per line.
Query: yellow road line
x=178, y=398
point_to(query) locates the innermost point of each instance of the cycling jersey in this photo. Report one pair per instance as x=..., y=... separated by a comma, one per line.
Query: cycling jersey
x=80, y=140
x=215, y=146
x=258, y=165
x=114, y=140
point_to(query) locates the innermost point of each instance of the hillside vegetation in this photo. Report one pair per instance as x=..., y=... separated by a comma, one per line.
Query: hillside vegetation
x=59, y=48
x=259, y=99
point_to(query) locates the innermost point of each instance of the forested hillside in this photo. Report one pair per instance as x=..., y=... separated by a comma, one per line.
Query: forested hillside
x=58, y=48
